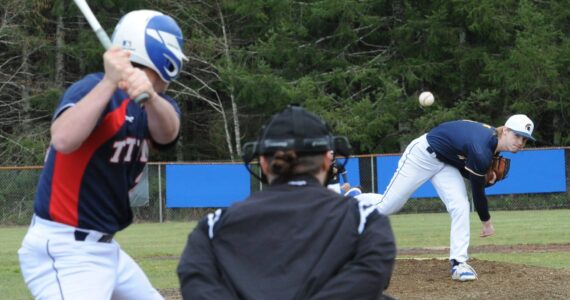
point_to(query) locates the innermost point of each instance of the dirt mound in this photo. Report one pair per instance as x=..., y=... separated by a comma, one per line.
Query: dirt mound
x=170, y=294
x=430, y=279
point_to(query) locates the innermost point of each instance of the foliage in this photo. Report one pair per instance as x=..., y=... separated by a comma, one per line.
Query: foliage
x=359, y=64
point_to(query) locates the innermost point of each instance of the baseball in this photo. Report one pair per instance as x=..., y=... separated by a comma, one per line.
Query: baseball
x=426, y=99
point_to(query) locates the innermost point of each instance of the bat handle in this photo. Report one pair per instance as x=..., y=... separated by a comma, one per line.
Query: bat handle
x=103, y=38
x=142, y=98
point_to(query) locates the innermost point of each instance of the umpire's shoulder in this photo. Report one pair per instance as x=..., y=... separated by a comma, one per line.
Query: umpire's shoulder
x=211, y=221
x=368, y=214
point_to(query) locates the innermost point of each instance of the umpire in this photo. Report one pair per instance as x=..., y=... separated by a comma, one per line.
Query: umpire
x=295, y=239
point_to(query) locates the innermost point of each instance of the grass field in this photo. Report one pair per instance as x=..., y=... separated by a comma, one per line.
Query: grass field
x=156, y=247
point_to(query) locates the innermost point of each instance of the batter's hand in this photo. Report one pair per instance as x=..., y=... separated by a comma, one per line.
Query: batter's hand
x=135, y=82
x=488, y=229
x=115, y=61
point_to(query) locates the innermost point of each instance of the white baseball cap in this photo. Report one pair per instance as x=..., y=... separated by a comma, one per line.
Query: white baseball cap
x=521, y=125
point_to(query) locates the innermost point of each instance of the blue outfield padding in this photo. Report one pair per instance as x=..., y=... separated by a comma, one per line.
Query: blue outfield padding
x=352, y=170
x=532, y=171
x=386, y=167
x=213, y=185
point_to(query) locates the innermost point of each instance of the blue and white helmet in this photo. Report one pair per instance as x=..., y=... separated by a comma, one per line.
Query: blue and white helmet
x=154, y=39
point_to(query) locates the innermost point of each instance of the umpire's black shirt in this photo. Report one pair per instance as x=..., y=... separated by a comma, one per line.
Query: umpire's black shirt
x=293, y=240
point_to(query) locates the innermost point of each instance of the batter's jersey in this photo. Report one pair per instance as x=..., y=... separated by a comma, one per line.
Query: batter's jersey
x=466, y=145
x=89, y=187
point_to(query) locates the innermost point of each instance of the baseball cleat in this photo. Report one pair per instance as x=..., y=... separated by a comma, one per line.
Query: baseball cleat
x=463, y=272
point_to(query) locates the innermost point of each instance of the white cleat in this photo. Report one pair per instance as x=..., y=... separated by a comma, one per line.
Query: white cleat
x=463, y=272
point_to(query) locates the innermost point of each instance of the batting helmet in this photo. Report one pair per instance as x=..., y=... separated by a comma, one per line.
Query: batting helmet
x=154, y=39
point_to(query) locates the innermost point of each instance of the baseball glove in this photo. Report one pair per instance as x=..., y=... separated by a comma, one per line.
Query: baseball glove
x=498, y=170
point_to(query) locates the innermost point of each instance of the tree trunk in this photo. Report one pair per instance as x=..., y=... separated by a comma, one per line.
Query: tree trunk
x=237, y=134
x=80, y=25
x=59, y=59
x=26, y=122
x=236, y=125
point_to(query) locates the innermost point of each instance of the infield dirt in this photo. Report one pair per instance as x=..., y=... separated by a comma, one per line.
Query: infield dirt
x=430, y=278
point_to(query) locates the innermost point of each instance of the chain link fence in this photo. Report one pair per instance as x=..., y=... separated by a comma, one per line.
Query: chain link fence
x=18, y=186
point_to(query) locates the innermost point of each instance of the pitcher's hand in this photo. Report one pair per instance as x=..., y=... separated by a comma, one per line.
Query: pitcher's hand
x=488, y=229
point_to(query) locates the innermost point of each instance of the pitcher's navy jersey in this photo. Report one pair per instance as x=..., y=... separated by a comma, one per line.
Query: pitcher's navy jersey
x=466, y=145
x=89, y=187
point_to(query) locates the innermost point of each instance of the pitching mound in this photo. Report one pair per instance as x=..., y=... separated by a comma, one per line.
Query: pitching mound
x=430, y=279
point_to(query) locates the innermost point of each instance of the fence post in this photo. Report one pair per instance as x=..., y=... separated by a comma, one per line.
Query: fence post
x=159, y=194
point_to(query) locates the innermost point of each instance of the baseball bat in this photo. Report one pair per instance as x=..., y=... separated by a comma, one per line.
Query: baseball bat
x=102, y=36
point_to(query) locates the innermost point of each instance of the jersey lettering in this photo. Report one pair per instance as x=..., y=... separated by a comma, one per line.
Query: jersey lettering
x=126, y=156
x=131, y=142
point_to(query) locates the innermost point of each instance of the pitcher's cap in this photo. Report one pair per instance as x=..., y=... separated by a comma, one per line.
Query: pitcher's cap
x=521, y=125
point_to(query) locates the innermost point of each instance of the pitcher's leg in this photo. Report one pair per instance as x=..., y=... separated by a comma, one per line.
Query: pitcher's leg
x=415, y=167
x=451, y=189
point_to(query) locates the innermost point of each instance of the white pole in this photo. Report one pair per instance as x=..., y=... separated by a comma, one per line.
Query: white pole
x=159, y=195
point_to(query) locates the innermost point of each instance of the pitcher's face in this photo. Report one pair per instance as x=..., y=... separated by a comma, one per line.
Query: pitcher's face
x=512, y=141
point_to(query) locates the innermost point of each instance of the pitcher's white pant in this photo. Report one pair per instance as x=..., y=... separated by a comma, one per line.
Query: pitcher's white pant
x=56, y=266
x=416, y=166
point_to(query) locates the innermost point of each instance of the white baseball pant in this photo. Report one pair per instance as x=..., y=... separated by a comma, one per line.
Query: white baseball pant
x=56, y=266
x=416, y=166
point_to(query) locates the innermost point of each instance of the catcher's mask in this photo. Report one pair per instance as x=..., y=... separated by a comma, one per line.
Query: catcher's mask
x=297, y=129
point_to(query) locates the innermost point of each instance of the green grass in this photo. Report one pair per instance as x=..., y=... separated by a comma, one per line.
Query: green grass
x=156, y=247
x=11, y=283
x=511, y=228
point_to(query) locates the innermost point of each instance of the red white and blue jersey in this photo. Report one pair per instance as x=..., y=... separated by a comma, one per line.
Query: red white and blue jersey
x=89, y=188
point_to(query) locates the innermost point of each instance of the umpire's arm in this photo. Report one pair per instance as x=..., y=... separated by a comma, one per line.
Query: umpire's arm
x=369, y=272
x=198, y=271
